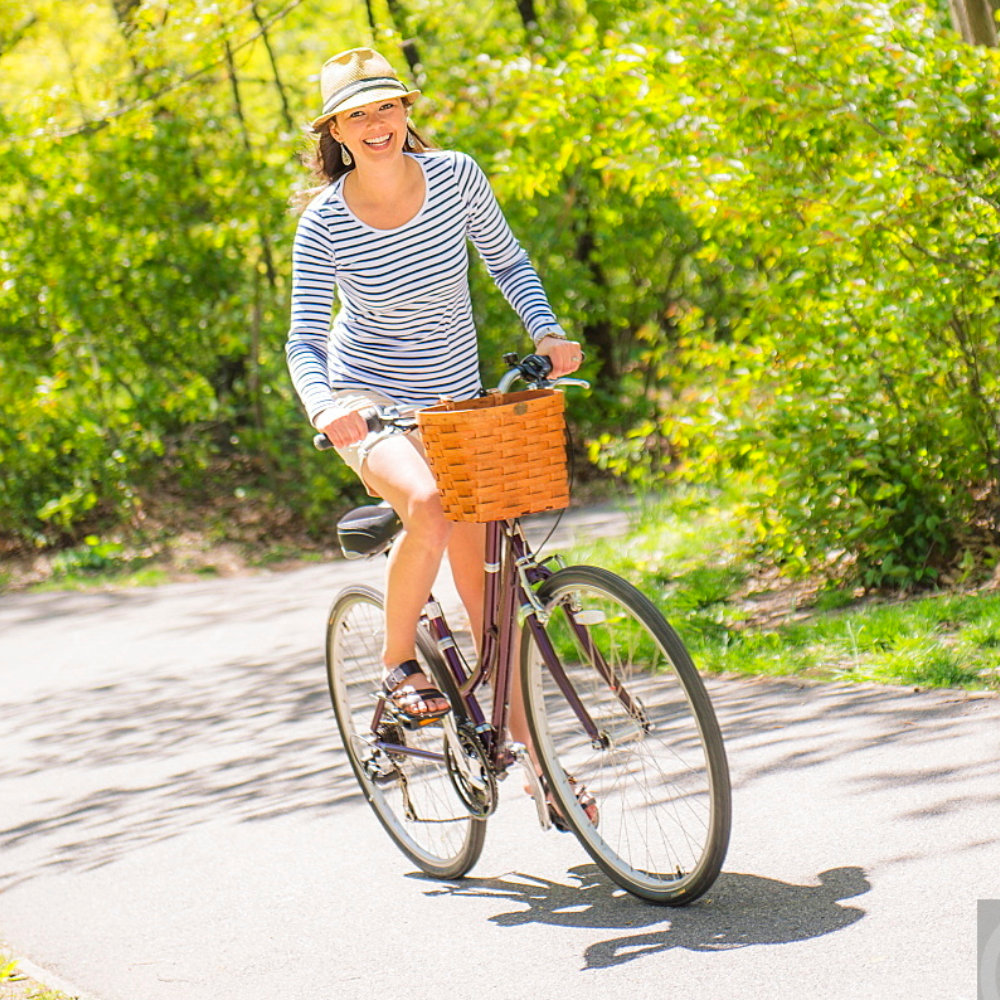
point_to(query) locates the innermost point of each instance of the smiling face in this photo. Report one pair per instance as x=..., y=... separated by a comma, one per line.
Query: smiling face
x=373, y=132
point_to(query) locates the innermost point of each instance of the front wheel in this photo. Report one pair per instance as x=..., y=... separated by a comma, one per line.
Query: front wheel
x=616, y=706
x=413, y=796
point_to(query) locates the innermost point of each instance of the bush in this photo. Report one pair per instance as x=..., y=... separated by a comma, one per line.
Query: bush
x=846, y=193
x=773, y=223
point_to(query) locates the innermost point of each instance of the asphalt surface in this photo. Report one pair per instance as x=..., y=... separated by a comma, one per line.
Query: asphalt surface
x=177, y=820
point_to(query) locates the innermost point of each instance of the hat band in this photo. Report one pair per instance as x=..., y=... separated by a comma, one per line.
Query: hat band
x=352, y=89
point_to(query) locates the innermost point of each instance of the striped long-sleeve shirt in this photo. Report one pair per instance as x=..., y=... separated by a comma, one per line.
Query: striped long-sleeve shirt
x=404, y=325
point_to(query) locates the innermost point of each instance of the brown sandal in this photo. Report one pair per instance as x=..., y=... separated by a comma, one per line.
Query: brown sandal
x=404, y=697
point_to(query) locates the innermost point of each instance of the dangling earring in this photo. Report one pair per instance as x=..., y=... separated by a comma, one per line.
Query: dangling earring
x=345, y=156
x=408, y=141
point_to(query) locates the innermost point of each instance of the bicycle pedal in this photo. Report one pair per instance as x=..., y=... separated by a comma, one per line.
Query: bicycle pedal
x=413, y=724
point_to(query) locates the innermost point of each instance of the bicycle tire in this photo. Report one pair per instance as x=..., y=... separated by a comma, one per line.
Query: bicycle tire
x=662, y=790
x=415, y=801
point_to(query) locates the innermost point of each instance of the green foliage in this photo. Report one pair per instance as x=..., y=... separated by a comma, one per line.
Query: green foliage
x=94, y=556
x=784, y=255
x=8, y=970
x=774, y=225
x=848, y=191
x=691, y=553
x=146, y=265
x=15, y=984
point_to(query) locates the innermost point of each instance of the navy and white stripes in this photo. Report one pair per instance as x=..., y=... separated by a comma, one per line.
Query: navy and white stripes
x=404, y=325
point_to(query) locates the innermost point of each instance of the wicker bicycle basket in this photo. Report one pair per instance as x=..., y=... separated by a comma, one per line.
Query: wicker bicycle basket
x=498, y=456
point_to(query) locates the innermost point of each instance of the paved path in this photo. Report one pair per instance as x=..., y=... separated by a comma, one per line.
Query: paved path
x=177, y=822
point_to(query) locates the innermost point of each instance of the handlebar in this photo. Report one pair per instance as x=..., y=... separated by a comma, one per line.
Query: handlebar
x=533, y=370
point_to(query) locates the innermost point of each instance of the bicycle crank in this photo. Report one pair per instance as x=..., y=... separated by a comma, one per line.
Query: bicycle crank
x=468, y=768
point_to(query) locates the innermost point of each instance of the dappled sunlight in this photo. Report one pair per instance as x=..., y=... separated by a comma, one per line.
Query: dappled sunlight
x=191, y=717
x=775, y=728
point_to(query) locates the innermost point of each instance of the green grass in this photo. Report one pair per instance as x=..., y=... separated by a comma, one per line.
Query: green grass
x=693, y=556
x=146, y=576
x=98, y=563
x=14, y=985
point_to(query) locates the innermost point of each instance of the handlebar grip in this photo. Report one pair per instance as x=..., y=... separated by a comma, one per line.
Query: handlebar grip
x=373, y=420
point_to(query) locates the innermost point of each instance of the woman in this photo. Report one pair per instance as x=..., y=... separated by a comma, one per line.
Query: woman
x=388, y=234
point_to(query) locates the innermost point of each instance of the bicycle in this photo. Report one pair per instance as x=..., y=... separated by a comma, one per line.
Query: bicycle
x=615, y=707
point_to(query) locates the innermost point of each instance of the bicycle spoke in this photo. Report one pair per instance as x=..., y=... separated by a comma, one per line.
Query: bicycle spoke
x=412, y=795
x=659, y=774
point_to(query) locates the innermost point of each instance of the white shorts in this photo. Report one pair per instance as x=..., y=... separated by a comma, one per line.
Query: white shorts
x=349, y=400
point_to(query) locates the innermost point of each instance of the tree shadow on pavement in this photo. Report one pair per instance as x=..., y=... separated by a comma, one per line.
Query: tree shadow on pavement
x=740, y=911
x=131, y=718
x=114, y=767
x=776, y=713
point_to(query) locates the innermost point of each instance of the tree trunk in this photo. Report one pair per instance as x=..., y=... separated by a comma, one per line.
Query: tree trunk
x=282, y=94
x=125, y=12
x=529, y=17
x=973, y=20
x=253, y=369
x=372, y=23
x=597, y=332
x=409, y=45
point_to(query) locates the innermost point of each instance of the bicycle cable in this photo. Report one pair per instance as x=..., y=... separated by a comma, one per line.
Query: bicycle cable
x=571, y=462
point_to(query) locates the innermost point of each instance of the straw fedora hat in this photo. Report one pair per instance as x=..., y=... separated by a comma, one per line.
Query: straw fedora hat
x=357, y=77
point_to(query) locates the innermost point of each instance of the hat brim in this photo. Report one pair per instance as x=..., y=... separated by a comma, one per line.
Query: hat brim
x=366, y=97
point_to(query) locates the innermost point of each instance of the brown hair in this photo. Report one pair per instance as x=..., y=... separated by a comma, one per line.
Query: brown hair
x=325, y=163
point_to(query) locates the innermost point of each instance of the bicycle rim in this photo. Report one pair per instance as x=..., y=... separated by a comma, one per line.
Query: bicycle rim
x=658, y=771
x=413, y=798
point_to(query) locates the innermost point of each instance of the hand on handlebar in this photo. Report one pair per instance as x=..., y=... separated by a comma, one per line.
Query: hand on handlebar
x=565, y=355
x=376, y=422
x=345, y=429
x=538, y=370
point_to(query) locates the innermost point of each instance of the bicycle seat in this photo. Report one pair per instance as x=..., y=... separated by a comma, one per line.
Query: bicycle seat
x=367, y=531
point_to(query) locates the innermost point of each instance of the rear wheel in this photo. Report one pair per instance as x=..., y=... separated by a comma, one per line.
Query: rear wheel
x=413, y=797
x=655, y=764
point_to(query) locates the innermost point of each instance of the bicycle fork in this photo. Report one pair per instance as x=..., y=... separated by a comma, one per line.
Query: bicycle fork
x=599, y=739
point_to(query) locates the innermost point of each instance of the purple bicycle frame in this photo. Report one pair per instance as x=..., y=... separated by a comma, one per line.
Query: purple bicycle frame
x=504, y=587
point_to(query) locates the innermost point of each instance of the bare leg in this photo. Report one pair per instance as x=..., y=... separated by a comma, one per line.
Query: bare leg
x=517, y=723
x=396, y=470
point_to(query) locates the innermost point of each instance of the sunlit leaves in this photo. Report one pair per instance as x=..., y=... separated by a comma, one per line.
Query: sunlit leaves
x=775, y=221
